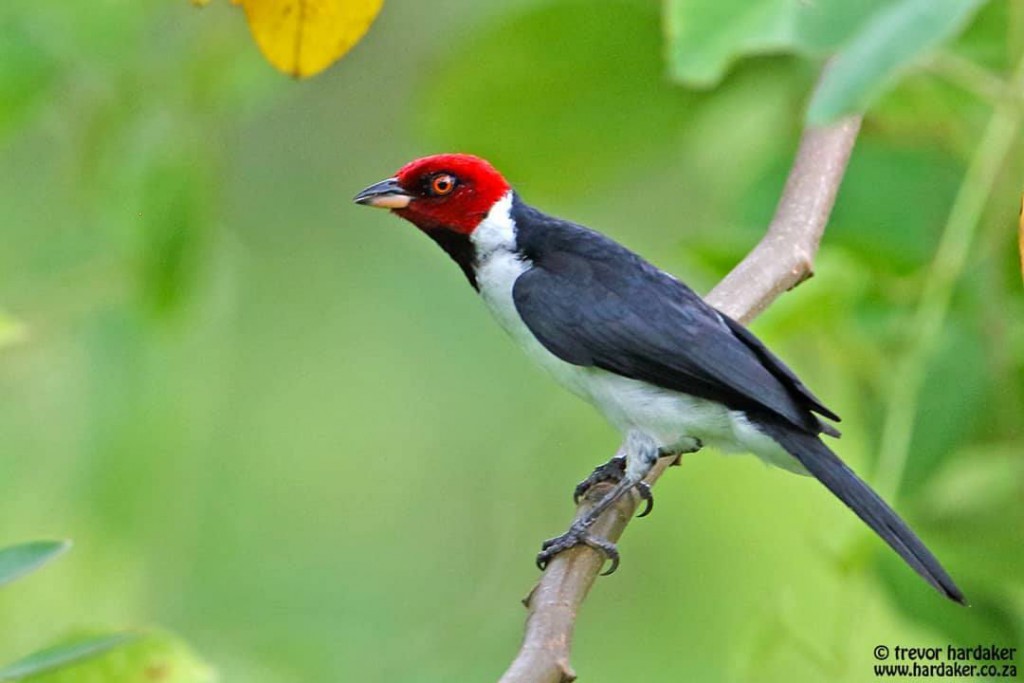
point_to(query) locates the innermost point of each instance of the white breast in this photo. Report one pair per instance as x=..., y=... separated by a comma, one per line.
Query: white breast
x=672, y=418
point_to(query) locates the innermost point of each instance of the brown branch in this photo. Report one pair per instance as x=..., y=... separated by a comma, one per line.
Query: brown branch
x=783, y=259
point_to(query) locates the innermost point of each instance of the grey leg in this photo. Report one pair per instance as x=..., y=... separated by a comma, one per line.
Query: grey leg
x=641, y=454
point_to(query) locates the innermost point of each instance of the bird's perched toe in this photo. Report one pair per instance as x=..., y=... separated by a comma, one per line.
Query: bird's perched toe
x=578, y=534
x=612, y=472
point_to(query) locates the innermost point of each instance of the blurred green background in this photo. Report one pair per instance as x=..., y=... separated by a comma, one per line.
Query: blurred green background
x=283, y=426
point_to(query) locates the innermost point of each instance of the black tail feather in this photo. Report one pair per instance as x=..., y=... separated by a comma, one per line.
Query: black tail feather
x=826, y=466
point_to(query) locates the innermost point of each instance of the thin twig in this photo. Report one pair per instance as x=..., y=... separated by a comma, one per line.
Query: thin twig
x=782, y=260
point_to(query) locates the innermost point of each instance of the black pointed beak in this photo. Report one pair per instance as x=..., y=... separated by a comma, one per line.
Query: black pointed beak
x=387, y=194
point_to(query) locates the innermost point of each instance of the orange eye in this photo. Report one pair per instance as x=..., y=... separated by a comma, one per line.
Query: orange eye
x=442, y=184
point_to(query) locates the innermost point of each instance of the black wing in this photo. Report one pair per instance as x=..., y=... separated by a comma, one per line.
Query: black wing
x=592, y=302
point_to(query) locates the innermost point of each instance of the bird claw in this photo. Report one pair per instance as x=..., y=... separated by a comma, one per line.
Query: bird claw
x=613, y=471
x=643, y=489
x=577, y=535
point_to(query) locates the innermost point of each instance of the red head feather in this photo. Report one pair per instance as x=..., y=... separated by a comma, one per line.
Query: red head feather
x=477, y=187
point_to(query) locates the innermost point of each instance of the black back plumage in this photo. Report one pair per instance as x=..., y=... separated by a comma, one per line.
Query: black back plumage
x=592, y=302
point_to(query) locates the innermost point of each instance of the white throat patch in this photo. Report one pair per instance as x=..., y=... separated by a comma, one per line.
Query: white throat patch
x=496, y=231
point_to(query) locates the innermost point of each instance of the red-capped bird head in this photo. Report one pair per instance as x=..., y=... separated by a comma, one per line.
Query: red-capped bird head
x=442, y=192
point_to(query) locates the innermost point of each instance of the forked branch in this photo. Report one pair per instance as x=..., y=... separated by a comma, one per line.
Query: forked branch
x=783, y=259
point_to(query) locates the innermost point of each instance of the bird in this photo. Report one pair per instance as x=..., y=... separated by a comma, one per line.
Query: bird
x=664, y=367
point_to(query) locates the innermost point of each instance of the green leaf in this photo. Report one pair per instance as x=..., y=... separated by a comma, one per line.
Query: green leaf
x=61, y=655
x=891, y=40
x=135, y=657
x=19, y=560
x=706, y=36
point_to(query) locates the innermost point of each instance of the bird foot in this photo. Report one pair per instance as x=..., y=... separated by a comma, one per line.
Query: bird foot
x=577, y=535
x=613, y=471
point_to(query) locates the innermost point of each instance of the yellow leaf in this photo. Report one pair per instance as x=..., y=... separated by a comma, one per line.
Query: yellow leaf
x=304, y=37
